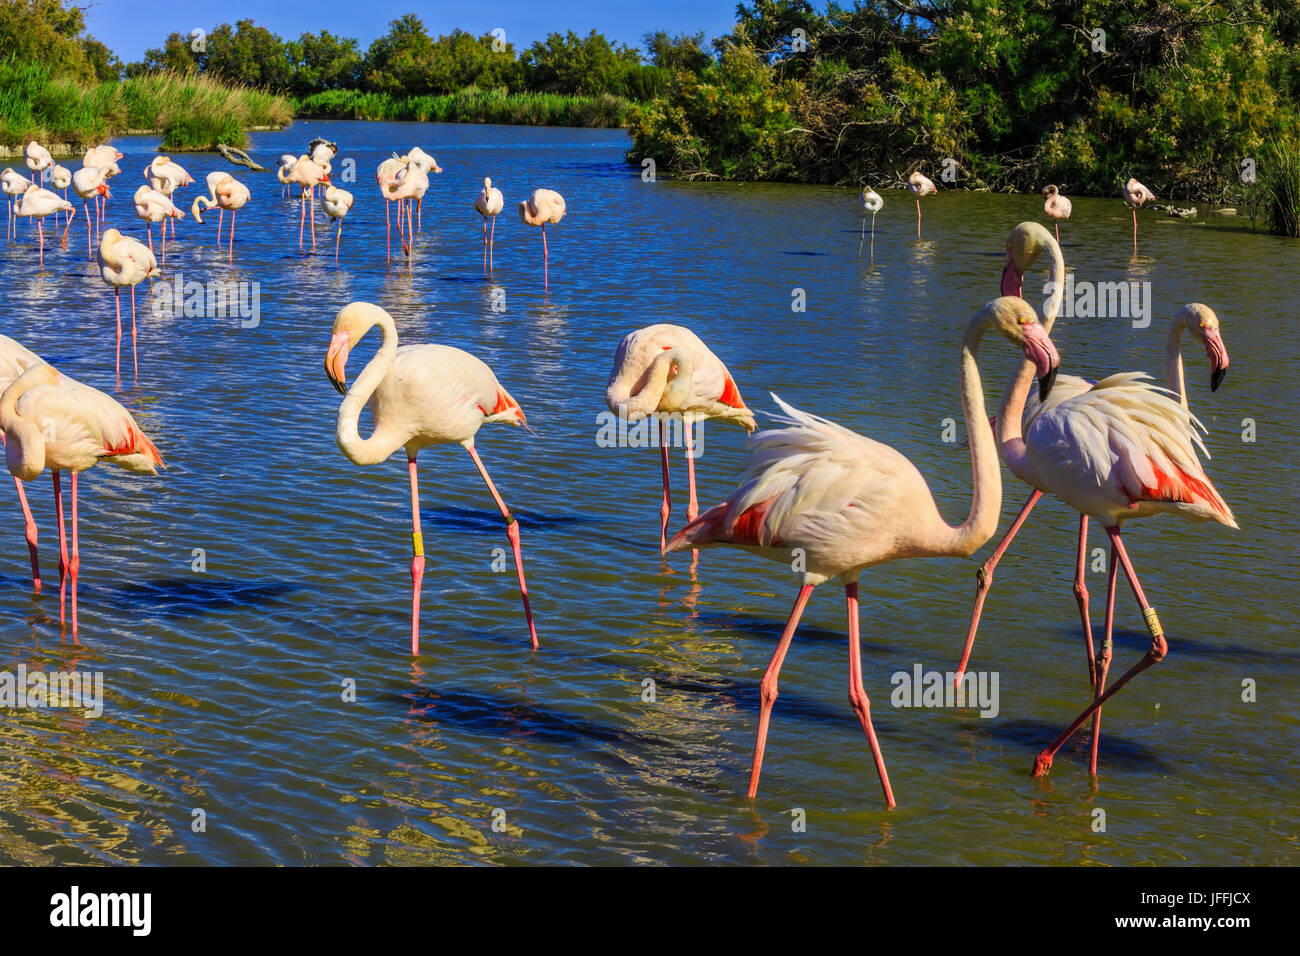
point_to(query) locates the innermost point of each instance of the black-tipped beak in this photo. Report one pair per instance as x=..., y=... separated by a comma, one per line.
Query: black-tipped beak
x=1217, y=377
x=1045, y=384
x=340, y=387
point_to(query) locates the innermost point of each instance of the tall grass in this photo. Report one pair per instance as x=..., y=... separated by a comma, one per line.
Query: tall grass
x=192, y=112
x=1281, y=180
x=470, y=105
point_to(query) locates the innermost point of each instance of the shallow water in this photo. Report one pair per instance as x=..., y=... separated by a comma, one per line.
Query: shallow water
x=223, y=687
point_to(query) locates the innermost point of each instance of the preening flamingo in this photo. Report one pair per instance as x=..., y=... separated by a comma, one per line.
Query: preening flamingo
x=14, y=185
x=14, y=360
x=322, y=153
x=125, y=263
x=39, y=203
x=1056, y=206
x=51, y=421
x=152, y=206
x=426, y=164
x=60, y=179
x=100, y=155
x=1135, y=194
x=225, y=192
x=166, y=177
x=409, y=182
x=283, y=166
x=337, y=203
x=306, y=173
x=847, y=503
x=38, y=160
x=872, y=202
x=543, y=206
x=919, y=186
x=418, y=395
x=385, y=173
x=665, y=370
x=489, y=202
x=91, y=182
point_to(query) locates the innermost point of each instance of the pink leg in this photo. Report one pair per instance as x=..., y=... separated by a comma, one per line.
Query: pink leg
x=768, y=687
x=135, y=359
x=858, y=693
x=89, y=254
x=232, y=237
x=512, y=532
x=485, y=244
x=221, y=214
x=1135, y=231
x=546, y=261
x=74, y=566
x=1058, y=232
x=149, y=234
x=666, y=508
x=302, y=217
x=492, y=245
x=388, y=230
x=1159, y=648
x=117, y=300
x=419, y=211
x=1081, y=597
x=337, y=240
x=984, y=580
x=417, y=560
x=40, y=226
x=66, y=227
x=311, y=198
x=63, y=545
x=693, y=505
x=918, y=219
x=1102, y=665
x=31, y=534
x=164, y=242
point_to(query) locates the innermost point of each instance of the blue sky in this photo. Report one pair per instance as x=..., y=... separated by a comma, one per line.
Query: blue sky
x=129, y=27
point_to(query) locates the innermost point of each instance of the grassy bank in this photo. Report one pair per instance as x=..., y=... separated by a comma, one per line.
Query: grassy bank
x=470, y=105
x=191, y=112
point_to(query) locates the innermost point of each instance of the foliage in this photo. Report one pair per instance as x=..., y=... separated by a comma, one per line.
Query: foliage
x=470, y=105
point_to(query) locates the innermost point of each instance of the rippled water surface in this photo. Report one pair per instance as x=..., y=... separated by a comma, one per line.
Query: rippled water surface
x=224, y=687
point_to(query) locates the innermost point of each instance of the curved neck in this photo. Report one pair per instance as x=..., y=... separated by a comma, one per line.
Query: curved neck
x=646, y=401
x=376, y=448
x=1174, y=361
x=24, y=443
x=986, y=500
x=679, y=389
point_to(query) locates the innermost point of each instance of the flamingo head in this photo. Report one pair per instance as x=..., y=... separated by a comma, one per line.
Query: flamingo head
x=353, y=321
x=1025, y=244
x=1203, y=324
x=1050, y=191
x=1016, y=319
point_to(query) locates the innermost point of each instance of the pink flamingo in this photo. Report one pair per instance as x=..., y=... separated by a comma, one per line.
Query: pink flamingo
x=39, y=203
x=306, y=173
x=226, y=192
x=409, y=182
x=51, y=421
x=1057, y=206
x=166, y=177
x=14, y=185
x=543, y=206
x=489, y=202
x=125, y=263
x=843, y=503
x=418, y=395
x=14, y=360
x=1135, y=194
x=38, y=160
x=153, y=206
x=919, y=186
x=664, y=370
x=91, y=182
x=337, y=204
x=103, y=155
x=60, y=179
x=426, y=164
x=386, y=173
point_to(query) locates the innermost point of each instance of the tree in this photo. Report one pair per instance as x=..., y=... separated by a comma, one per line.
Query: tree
x=683, y=51
x=46, y=32
x=324, y=62
x=247, y=53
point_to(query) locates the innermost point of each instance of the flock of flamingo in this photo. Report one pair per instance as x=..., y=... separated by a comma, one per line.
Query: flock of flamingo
x=1116, y=449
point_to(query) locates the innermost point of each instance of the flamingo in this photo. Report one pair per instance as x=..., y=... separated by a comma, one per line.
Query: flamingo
x=919, y=186
x=1057, y=206
x=87, y=182
x=125, y=262
x=100, y=155
x=426, y=164
x=872, y=202
x=166, y=177
x=1135, y=194
x=337, y=203
x=225, y=192
x=322, y=153
x=152, y=206
x=14, y=184
x=543, y=206
x=662, y=370
x=38, y=160
x=489, y=202
x=418, y=395
x=60, y=178
x=409, y=182
x=283, y=166
x=306, y=173
x=14, y=360
x=39, y=203
x=52, y=421
x=847, y=503
x=386, y=173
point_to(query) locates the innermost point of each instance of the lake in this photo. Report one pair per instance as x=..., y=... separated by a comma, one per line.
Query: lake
x=231, y=602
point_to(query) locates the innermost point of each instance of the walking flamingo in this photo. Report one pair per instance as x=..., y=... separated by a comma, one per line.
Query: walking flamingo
x=152, y=206
x=1057, y=206
x=51, y=421
x=665, y=370
x=14, y=360
x=38, y=160
x=489, y=202
x=418, y=395
x=39, y=203
x=88, y=182
x=337, y=203
x=919, y=186
x=125, y=262
x=225, y=192
x=1135, y=194
x=872, y=202
x=14, y=184
x=849, y=503
x=543, y=206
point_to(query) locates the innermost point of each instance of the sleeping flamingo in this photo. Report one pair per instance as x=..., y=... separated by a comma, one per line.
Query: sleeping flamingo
x=1057, y=206
x=225, y=192
x=152, y=206
x=489, y=202
x=919, y=186
x=88, y=182
x=337, y=203
x=872, y=202
x=418, y=395
x=543, y=206
x=61, y=179
x=1135, y=194
x=38, y=160
x=125, y=263
x=14, y=185
x=167, y=176
x=843, y=503
x=14, y=360
x=665, y=370
x=51, y=421
x=39, y=203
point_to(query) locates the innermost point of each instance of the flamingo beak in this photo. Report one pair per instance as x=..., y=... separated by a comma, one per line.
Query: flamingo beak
x=1038, y=348
x=1218, y=355
x=1012, y=280
x=336, y=362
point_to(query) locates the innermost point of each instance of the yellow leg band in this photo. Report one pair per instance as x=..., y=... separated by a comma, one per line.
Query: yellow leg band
x=1153, y=622
x=417, y=544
